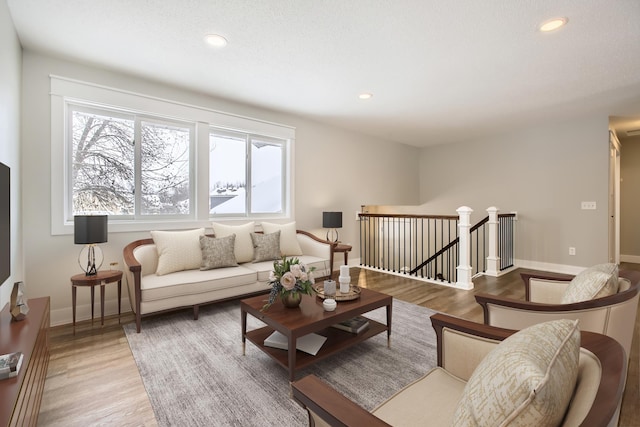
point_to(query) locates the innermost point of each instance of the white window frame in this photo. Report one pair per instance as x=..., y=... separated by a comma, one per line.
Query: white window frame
x=248, y=139
x=65, y=91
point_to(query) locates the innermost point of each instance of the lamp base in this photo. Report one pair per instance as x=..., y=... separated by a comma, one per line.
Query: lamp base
x=89, y=266
x=333, y=232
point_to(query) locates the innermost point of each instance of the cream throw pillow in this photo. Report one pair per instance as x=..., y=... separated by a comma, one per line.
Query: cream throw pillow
x=243, y=246
x=217, y=253
x=177, y=250
x=289, y=245
x=527, y=380
x=595, y=282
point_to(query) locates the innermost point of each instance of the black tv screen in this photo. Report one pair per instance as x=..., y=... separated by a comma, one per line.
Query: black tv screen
x=5, y=223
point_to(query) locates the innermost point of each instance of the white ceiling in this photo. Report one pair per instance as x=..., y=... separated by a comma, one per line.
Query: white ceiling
x=439, y=70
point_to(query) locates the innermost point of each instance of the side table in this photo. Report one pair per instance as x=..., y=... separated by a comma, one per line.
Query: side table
x=339, y=247
x=99, y=279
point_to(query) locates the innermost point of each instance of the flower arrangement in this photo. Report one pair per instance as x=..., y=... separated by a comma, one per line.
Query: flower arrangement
x=289, y=276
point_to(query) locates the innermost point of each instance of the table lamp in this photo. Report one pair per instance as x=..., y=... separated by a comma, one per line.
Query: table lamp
x=332, y=221
x=90, y=230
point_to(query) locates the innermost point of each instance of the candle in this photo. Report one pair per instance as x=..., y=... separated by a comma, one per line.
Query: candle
x=344, y=270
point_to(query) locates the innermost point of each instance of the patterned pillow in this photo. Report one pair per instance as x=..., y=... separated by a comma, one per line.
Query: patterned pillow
x=289, y=245
x=596, y=282
x=177, y=250
x=266, y=247
x=243, y=247
x=528, y=379
x=217, y=253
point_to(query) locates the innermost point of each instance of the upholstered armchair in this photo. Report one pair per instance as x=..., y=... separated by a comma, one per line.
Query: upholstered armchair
x=613, y=315
x=466, y=348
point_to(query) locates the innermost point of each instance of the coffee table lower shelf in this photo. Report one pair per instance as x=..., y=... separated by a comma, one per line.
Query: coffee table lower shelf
x=337, y=340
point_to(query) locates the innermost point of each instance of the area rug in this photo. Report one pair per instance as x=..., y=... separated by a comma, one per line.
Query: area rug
x=195, y=374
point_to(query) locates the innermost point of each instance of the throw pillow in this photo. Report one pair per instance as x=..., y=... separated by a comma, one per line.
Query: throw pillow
x=244, y=246
x=595, y=282
x=217, y=253
x=177, y=250
x=266, y=247
x=289, y=245
x=528, y=379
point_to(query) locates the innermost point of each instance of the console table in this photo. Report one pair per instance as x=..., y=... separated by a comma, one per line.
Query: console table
x=20, y=396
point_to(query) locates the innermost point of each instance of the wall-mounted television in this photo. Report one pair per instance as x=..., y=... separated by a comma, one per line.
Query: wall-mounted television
x=5, y=223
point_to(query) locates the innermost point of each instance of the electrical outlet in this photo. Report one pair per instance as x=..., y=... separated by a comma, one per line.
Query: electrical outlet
x=572, y=250
x=588, y=205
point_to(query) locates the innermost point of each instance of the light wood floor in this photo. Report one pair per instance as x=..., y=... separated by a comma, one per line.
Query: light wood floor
x=93, y=379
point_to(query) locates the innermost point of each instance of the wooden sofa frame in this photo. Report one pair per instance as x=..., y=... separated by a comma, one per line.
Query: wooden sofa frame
x=134, y=266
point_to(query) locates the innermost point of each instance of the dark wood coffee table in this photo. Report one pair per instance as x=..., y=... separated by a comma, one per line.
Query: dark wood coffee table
x=311, y=317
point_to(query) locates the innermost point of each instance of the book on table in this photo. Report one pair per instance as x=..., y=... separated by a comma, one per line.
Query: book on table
x=10, y=364
x=310, y=343
x=354, y=325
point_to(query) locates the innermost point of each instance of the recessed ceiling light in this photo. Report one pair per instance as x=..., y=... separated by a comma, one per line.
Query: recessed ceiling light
x=365, y=95
x=553, y=24
x=215, y=40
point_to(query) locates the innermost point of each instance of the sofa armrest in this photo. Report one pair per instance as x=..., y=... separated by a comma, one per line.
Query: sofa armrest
x=313, y=245
x=132, y=277
x=324, y=402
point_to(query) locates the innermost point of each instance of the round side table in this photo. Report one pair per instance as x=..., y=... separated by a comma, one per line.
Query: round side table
x=99, y=279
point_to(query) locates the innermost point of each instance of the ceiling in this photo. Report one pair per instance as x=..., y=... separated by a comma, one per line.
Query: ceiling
x=440, y=71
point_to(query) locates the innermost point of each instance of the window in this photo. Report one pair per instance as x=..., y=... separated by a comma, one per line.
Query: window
x=246, y=170
x=152, y=163
x=127, y=166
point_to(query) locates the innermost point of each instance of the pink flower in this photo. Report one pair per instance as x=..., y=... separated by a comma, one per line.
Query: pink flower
x=304, y=276
x=288, y=281
x=296, y=270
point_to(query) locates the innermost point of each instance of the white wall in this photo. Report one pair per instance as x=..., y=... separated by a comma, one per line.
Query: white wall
x=630, y=199
x=542, y=173
x=10, y=66
x=335, y=170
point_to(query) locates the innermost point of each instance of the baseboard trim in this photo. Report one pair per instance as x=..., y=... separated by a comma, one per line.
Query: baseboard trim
x=64, y=316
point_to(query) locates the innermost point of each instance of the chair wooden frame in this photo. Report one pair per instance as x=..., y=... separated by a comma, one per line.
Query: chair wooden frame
x=337, y=410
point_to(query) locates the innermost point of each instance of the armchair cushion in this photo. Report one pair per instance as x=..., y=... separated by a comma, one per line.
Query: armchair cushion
x=595, y=282
x=530, y=377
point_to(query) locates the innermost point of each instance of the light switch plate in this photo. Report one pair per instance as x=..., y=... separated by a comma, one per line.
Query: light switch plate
x=589, y=205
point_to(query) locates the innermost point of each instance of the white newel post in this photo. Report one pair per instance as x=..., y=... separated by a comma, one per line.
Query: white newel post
x=493, y=260
x=464, y=268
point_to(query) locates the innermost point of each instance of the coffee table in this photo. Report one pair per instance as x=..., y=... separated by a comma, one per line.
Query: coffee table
x=308, y=318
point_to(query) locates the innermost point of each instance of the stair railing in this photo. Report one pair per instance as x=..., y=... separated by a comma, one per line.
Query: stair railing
x=429, y=247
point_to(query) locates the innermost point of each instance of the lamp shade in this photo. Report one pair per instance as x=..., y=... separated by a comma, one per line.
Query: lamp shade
x=331, y=219
x=89, y=229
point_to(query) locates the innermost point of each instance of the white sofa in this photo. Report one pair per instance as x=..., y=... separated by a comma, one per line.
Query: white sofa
x=152, y=293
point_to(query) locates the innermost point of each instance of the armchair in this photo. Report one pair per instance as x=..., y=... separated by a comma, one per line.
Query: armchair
x=613, y=315
x=462, y=345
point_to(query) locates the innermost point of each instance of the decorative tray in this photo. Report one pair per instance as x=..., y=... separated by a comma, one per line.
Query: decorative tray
x=354, y=292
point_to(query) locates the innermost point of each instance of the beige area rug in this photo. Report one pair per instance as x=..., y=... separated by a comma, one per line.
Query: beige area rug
x=195, y=374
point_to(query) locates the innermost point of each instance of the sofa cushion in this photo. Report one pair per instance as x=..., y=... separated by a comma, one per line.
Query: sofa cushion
x=289, y=245
x=243, y=244
x=177, y=250
x=528, y=379
x=264, y=268
x=192, y=282
x=266, y=247
x=428, y=401
x=595, y=282
x=217, y=253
